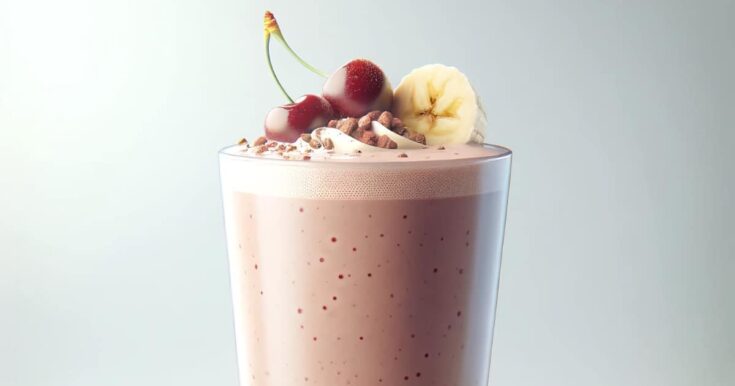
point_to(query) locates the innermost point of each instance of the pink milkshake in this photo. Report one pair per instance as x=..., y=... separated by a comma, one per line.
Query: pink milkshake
x=364, y=231
x=365, y=268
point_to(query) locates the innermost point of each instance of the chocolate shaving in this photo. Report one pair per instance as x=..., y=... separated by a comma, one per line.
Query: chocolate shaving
x=418, y=137
x=328, y=144
x=403, y=155
x=374, y=115
x=332, y=123
x=243, y=141
x=306, y=137
x=314, y=143
x=347, y=125
x=386, y=143
x=385, y=118
x=396, y=123
x=369, y=137
x=260, y=141
x=365, y=122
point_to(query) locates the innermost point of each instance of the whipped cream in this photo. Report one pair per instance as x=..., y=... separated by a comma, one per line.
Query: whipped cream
x=327, y=142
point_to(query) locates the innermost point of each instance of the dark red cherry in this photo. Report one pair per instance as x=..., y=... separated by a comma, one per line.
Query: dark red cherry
x=286, y=123
x=357, y=88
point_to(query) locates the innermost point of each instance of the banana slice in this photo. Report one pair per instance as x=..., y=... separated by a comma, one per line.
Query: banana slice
x=439, y=102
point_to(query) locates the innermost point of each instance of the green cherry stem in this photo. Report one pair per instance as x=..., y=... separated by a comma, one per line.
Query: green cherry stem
x=271, y=28
x=270, y=67
x=279, y=36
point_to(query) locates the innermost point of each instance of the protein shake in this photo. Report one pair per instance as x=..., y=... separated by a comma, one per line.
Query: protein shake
x=365, y=246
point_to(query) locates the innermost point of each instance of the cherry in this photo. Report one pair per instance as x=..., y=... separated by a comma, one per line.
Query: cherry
x=357, y=88
x=286, y=123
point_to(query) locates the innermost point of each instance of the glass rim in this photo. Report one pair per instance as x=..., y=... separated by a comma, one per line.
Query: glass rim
x=504, y=153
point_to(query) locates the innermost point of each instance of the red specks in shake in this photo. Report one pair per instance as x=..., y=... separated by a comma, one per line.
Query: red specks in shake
x=256, y=266
x=321, y=259
x=426, y=355
x=334, y=239
x=324, y=307
x=405, y=216
x=362, y=338
x=370, y=274
x=459, y=313
x=334, y=298
x=413, y=336
x=436, y=270
x=341, y=276
x=354, y=249
x=382, y=235
x=406, y=377
x=418, y=375
x=300, y=311
x=301, y=210
x=314, y=339
x=461, y=271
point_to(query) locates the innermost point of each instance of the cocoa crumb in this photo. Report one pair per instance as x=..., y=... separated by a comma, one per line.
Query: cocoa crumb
x=347, y=125
x=403, y=155
x=328, y=144
x=441, y=147
x=365, y=122
x=357, y=134
x=385, y=142
x=400, y=131
x=396, y=123
x=314, y=143
x=290, y=148
x=418, y=137
x=261, y=149
x=281, y=147
x=260, y=141
x=306, y=157
x=358, y=151
x=369, y=137
x=374, y=115
x=385, y=118
x=243, y=141
x=306, y=137
x=332, y=123
x=272, y=144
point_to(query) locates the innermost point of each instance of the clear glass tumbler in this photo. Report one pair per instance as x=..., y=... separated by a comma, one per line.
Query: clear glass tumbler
x=350, y=273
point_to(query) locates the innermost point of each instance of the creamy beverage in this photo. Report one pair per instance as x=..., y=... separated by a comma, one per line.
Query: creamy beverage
x=364, y=231
x=366, y=270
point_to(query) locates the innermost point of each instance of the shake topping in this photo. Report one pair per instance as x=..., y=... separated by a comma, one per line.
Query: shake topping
x=358, y=109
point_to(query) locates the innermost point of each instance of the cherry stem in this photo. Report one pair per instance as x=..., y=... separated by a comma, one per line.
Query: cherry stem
x=270, y=67
x=279, y=36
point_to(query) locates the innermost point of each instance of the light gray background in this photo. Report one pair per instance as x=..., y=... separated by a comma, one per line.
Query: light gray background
x=618, y=267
